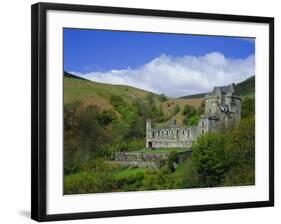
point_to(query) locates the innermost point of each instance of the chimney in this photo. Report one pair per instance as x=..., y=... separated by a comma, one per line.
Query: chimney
x=148, y=124
x=174, y=123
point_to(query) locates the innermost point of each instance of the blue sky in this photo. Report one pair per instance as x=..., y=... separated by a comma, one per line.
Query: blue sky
x=92, y=50
x=132, y=58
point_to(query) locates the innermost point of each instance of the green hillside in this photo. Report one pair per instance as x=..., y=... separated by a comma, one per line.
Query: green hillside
x=194, y=96
x=101, y=95
x=93, y=93
x=245, y=88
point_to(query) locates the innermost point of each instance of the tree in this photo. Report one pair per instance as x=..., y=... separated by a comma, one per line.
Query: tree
x=240, y=142
x=70, y=143
x=176, y=109
x=209, y=159
x=136, y=128
x=171, y=161
x=117, y=101
x=123, y=107
x=193, y=120
x=191, y=115
x=150, y=99
x=89, y=130
x=240, y=151
x=162, y=97
x=248, y=107
x=107, y=117
x=188, y=110
x=201, y=109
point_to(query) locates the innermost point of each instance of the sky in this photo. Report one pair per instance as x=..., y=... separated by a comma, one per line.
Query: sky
x=173, y=64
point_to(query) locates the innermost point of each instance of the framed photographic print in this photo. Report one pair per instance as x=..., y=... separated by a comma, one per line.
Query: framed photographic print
x=140, y=111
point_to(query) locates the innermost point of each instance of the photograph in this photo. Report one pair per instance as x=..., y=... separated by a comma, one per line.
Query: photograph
x=140, y=112
x=147, y=111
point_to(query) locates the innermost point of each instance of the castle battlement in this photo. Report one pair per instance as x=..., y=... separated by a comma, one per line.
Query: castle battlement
x=222, y=111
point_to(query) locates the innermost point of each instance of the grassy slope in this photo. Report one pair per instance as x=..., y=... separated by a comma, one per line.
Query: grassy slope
x=98, y=94
x=245, y=88
x=88, y=92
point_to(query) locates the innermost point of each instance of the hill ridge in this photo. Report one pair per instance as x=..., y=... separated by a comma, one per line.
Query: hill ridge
x=246, y=87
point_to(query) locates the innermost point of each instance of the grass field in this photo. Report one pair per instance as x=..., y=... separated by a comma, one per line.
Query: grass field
x=128, y=172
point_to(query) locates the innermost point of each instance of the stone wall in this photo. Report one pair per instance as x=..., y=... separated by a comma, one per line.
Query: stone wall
x=153, y=165
x=141, y=156
x=146, y=159
x=172, y=137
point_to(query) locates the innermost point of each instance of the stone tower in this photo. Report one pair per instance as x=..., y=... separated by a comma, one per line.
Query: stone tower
x=148, y=134
x=223, y=107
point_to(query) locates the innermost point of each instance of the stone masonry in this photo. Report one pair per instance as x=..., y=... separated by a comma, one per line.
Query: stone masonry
x=148, y=159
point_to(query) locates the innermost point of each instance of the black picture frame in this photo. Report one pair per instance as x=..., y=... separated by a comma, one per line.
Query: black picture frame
x=39, y=107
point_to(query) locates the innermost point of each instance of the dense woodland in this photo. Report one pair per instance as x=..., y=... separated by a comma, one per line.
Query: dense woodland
x=93, y=133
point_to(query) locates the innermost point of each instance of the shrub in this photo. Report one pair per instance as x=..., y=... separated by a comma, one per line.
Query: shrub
x=176, y=109
x=193, y=120
x=248, y=107
x=117, y=101
x=107, y=117
x=157, y=180
x=201, y=109
x=171, y=161
x=191, y=115
x=162, y=97
x=209, y=159
x=71, y=146
x=240, y=151
x=188, y=110
x=88, y=182
x=130, y=182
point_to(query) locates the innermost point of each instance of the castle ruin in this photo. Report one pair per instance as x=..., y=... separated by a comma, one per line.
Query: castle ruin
x=222, y=111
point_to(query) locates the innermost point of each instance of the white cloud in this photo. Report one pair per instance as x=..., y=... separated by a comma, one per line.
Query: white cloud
x=180, y=76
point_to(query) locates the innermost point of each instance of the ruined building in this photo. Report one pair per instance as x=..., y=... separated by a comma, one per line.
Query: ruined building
x=222, y=111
